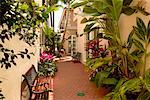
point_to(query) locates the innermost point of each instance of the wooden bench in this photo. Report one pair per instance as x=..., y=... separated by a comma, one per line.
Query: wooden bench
x=39, y=87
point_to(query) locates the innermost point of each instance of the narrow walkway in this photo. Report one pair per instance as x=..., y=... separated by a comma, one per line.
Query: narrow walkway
x=71, y=81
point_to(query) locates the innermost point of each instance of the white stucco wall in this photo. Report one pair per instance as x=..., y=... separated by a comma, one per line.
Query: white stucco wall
x=81, y=41
x=11, y=78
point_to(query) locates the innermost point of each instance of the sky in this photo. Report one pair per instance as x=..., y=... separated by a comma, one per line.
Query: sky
x=58, y=17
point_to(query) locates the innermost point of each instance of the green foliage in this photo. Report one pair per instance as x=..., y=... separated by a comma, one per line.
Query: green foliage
x=48, y=31
x=144, y=96
x=134, y=86
x=47, y=68
x=142, y=40
x=125, y=86
x=126, y=55
x=20, y=19
x=103, y=78
x=97, y=62
x=78, y=4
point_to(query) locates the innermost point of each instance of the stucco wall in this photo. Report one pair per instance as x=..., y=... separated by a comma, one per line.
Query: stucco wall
x=12, y=77
x=126, y=23
x=81, y=41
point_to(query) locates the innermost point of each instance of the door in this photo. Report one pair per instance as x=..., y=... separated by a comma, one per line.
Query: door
x=72, y=45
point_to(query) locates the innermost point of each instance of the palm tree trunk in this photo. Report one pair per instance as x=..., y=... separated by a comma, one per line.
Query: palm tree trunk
x=66, y=24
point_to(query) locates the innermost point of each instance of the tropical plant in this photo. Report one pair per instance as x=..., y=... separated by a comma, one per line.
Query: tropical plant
x=95, y=49
x=142, y=40
x=131, y=89
x=138, y=86
x=46, y=66
x=45, y=56
x=49, y=37
x=105, y=15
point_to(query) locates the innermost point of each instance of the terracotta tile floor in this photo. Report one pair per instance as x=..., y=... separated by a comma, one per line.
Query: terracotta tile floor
x=72, y=79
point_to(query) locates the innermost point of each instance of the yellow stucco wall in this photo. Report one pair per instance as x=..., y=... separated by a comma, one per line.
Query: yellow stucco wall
x=126, y=23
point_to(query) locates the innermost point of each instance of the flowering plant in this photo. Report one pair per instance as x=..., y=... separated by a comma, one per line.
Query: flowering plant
x=44, y=56
x=46, y=65
x=97, y=50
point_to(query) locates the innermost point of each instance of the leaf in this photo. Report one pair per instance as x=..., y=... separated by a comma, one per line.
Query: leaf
x=100, y=76
x=115, y=9
x=138, y=44
x=135, y=57
x=110, y=81
x=120, y=83
x=24, y=6
x=88, y=27
x=101, y=6
x=127, y=10
x=127, y=2
x=91, y=19
x=79, y=4
x=84, y=20
x=146, y=79
x=90, y=10
x=130, y=39
x=139, y=33
x=50, y=9
x=108, y=36
x=141, y=25
x=133, y=85
x=137, y=53
x=144, y=96
x=97, y=64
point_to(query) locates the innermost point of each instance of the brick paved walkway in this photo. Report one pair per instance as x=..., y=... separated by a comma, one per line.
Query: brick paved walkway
x=72, y=79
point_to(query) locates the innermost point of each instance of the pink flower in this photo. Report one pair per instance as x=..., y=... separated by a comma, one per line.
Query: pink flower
x=45, y=57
